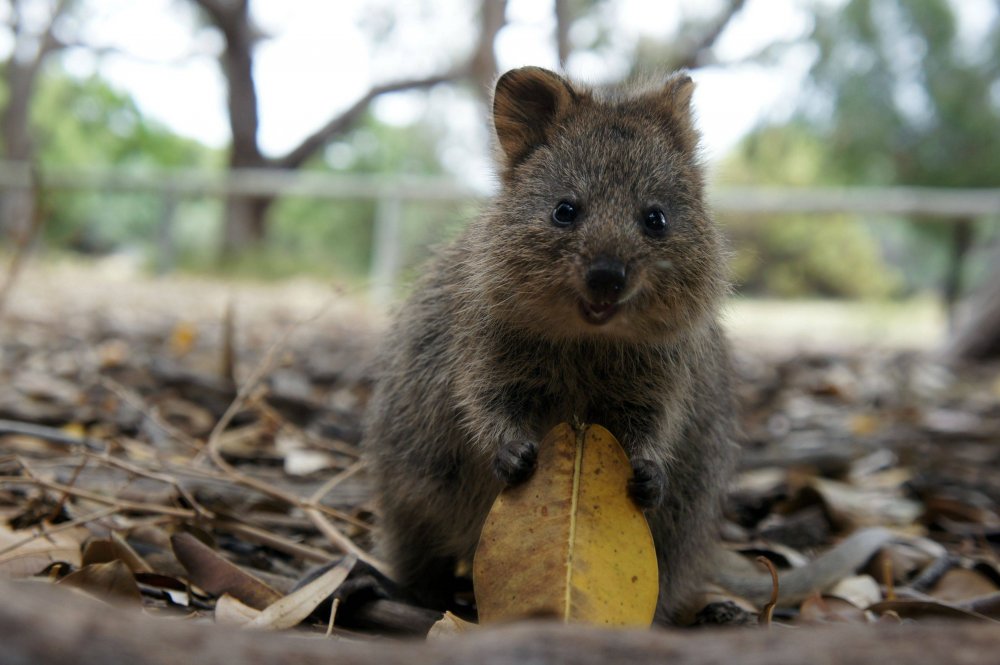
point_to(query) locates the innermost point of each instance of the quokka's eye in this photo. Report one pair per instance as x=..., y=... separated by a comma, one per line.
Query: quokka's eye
x=564, y=214
x=654, y=223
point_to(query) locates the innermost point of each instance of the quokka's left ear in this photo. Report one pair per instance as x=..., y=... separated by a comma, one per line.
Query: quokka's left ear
x=527, y=104
x=677, y=93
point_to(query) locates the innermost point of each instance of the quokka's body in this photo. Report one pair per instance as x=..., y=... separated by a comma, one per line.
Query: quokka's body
x=586, y=292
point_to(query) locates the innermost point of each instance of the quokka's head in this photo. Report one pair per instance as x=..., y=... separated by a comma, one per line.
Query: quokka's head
x=600, y=228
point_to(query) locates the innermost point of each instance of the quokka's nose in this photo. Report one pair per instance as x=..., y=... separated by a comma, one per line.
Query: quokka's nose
x=605, y=280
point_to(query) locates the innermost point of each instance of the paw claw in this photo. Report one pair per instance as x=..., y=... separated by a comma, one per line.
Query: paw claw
x=515, y=462
x=647, y=485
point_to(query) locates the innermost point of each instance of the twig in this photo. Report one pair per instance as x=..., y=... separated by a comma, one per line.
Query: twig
x=314, y=512
x=887, y=575
x=65, y=526
x=768, y=610
x=51, y=434
x=120, y=504
x=342, y=542
x=274, y=541
x=149, y=412
x=328, y=486
x=333, y=616
x=263, y=367
x=228, y=365
x=152, y=475
x=72, y=481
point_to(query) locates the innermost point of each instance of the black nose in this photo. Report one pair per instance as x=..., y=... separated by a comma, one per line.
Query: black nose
x=605, y=280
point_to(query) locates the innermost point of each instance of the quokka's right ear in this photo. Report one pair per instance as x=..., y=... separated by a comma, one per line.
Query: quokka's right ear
x=527, y=103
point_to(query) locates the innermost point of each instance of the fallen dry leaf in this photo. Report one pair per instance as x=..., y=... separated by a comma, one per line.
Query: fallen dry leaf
x=962, y=584
x=296, y=606
x=216, y=575
x=21, y=555
x=830, y=609
x=448, y=626
x=926, y=609
x=114, y=549
x=569, y=543
x=232, y=612
x=111, y=581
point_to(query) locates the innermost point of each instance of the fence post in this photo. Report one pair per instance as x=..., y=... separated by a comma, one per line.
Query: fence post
x=165, y=254
x=386, y=249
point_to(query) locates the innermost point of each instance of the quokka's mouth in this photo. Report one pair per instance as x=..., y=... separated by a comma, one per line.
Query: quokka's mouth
x=597, y=313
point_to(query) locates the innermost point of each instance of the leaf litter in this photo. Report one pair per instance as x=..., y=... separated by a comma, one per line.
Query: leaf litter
x=178, y=460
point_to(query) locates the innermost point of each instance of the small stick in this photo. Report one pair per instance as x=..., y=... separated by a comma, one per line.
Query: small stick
x=345, y=544
x=50, y=434
x=120, y=504
x=62, y=500
x=152, y=475
x=275, y=541
x=333, y=616
x=328, y=486
x=65, y=526
x=314, y=512
x=148, y=411
x=228, y=365
x=890, y=583
x=768, y=610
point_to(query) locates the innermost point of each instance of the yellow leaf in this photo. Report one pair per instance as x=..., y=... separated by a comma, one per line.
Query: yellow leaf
x=75, y=429
x=864, y=424
x=183, y=338
x=569, y=543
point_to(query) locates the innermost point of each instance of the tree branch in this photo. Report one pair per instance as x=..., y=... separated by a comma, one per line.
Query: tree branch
x=693, y=53
x=220, y=13
x=482, y=65
x=343, y=121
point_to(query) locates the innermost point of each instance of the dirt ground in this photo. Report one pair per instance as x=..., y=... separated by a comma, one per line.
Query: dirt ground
x=134, y=409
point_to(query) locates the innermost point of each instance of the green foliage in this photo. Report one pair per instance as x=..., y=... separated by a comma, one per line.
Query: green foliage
x=793, y=257
x=85, y=122
x=897, y=96
x=905, y=101
x=337, y=236
x=799, y=256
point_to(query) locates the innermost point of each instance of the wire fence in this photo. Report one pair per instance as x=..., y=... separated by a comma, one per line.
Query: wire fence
x=391, y=194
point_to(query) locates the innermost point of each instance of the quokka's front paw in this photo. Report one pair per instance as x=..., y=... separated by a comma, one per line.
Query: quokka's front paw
x=516, y=461
x=647, y=485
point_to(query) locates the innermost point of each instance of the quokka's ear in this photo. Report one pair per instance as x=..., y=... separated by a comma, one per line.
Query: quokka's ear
x=676, y=93
x=527, y=103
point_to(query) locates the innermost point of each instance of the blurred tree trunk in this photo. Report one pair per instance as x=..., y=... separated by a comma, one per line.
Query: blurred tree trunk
x=28, y=54
x=246, y=217
x=978, y=336
x=960, y=242
x=564, y=19
x=483, y=68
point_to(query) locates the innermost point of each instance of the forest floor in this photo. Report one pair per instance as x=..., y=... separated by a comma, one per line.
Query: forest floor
x=143, y=417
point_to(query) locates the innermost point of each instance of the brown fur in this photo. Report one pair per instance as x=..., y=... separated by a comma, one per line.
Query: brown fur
x=492, y=348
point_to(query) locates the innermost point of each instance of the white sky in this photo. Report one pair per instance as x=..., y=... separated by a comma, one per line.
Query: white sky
x=319, y=57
